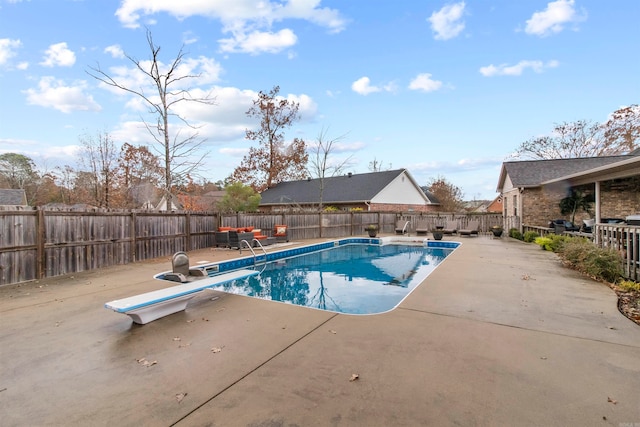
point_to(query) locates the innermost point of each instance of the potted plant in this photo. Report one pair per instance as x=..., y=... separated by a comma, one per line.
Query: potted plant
x=438, y=233
x=497, y=230
x=372, y=229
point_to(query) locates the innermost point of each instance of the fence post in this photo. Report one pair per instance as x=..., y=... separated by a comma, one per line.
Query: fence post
x=133, y=236
x=41, y=236
x=187, y=230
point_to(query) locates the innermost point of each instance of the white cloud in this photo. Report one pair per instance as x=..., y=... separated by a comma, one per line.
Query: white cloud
x=115, y=51
x=8, y=49
x=225, y=121
x=447, y=22
x=424, y=83
x=22, y=65
x=58, y=55
x=553, y=18
x=363, y=86
x=518, y=69
x=259, y=42
x=249, y=22
x=52, y=93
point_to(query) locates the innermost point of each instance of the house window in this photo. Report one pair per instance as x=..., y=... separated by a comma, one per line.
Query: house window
x=506, y=208
x=515, y=205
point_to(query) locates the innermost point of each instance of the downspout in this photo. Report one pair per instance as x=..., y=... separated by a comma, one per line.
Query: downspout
x=520, y=208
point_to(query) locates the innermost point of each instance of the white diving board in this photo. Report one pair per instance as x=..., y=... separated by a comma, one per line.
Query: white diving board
x=147, y=307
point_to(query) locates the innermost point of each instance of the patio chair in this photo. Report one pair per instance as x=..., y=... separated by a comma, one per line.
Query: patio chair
x=281, y=233
x=422, y=227
x=451, y=227
x=473, y=228
x=402, y=226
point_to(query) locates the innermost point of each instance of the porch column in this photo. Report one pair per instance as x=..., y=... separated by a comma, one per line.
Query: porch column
x=597, y=200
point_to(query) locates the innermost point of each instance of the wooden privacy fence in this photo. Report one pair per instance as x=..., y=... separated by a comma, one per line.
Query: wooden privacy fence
x=339, y=224
x=40, y=243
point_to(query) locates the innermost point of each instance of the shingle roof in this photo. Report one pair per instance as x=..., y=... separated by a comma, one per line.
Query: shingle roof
x=12, y=197
x=338, y=189
x=531, y=173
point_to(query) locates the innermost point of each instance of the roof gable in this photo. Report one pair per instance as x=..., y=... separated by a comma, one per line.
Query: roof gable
x=337, y=189
x=532, y=173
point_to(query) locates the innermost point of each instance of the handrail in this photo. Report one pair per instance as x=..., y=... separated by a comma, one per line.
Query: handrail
x=261, y=247
x=255, y=257
x=265, y=255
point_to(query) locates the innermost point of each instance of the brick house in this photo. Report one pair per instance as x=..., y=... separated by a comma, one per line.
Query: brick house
x=387, y=191
x=531, y=190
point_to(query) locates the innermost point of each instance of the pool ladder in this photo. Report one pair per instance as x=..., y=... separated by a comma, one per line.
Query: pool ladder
x=255, y=257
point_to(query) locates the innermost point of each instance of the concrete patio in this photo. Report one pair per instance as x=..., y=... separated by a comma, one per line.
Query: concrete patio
x=500, y=334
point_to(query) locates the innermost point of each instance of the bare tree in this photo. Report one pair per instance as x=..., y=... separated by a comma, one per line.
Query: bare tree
x=99, y=157
x=583, y=138
x=321, y=166
x=272, y=161
x=375, y=165
x=623, y=128
x=179, y=153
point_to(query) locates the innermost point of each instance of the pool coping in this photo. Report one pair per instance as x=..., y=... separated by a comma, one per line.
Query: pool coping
x=222, y=267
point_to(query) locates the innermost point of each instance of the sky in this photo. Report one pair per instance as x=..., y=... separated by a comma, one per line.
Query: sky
x=442, y=89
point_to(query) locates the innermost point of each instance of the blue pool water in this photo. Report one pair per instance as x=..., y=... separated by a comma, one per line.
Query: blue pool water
x=349, y=278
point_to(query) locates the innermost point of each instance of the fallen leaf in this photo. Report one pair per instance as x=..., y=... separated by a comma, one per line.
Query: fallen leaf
x=615, y=402
x=192, y=320
x=180, y=396
x=217, y=349
x=354, y=377
x=205, y=319
x=613, y=327
x=176, y=338
x=543, y=357
x=146, y=362
x=332, y=331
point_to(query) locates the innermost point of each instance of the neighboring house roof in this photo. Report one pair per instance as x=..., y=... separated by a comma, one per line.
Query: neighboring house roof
x=350, y=188
x=11, y=197
x=532, y=173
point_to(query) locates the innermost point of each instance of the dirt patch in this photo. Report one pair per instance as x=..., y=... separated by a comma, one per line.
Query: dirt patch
x=628, y=303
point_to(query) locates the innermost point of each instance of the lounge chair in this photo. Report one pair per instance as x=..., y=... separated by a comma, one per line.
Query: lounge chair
x=402, y=226
x=422, y=227
x=472, y=228
x=280, y=233
x=451, y=227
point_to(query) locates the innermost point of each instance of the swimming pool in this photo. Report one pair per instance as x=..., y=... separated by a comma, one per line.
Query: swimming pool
x=351, y=276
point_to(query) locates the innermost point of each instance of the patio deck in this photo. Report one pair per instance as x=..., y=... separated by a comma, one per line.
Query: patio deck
x=499, y=334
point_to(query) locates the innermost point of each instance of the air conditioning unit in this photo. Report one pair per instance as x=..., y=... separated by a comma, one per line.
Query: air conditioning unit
x=633, y=220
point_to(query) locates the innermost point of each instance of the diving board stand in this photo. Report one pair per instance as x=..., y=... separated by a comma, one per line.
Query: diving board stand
x=150, y=306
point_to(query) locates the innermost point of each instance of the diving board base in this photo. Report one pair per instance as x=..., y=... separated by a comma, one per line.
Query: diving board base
x=150, y=313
